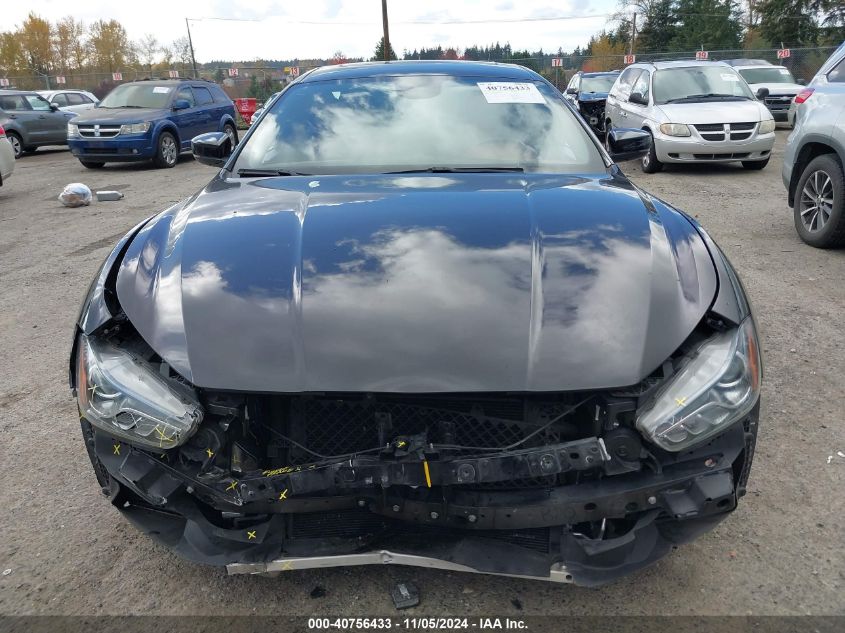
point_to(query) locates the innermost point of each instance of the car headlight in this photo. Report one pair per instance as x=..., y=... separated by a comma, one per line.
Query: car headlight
x=675, y=129
x=767, y=126
x=122, y=394
x=135, y=128
x=72, y=130
x=719, y=384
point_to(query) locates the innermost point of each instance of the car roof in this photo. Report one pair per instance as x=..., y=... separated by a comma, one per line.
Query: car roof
x=603, y=73
x=428, y=67
x=678, y=63
x=18, y=92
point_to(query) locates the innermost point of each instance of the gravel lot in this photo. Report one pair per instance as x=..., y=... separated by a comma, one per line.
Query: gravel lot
x=70, y=552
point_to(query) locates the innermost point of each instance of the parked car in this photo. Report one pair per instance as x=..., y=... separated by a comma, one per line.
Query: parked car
x=258, y=112
x=150, y=120
x=71, y=100
x=7, y=157
x=588, y=93
x=696, y=112
x=814, y=156
x=368, y=340
x=820, y=78
x=31, y=121
x=777, y=80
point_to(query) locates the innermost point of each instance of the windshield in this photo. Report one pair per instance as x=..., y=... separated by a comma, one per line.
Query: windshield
x=772, y=75
x=696, y=83
x=601, y=83
x=418, y=122
x=146, y=95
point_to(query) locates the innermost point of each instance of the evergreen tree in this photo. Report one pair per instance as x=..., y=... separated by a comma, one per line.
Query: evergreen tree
x=714, y=24
x=792, y=22
x=378, y=55
x=658, y=26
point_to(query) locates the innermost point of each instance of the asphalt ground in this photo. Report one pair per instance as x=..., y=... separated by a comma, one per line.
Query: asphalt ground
x=67, y=551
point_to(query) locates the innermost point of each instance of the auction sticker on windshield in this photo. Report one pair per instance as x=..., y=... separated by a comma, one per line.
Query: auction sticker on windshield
x=161, y=89
x=510, y=92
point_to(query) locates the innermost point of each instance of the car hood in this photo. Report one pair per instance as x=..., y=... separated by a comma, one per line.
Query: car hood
x=589, y=97
x=119, y=115
x=419, y=283
x=778, y=88
x=714, y=112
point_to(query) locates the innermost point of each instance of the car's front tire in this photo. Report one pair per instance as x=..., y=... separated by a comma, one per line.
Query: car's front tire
x=16, y=143
x=819, y=207
x=650, y=164
x=167, y=151
x=92, y=164
x=229, y=130
x=755, y=165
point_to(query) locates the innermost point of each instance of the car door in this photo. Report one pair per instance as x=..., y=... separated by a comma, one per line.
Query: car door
x=637, y=113
x=18, y=110
x=572, y=89
x=209, y=119
x=53, y=123
x=624, y=87
x=189, y=120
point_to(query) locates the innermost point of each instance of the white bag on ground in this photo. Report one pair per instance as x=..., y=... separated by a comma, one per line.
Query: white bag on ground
x=75, y=194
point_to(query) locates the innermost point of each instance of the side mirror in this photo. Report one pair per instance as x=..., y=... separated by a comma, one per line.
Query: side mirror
x=628, y=144
x=212, y=148
x=54, y=107
x=571, y=91
x=638, y=98
x=181, y=104
x=802, y=82
x=762, y=93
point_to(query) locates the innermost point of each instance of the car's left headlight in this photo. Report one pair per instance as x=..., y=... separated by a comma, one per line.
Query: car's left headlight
x=718, y=385
x=135, y=128
x=122, y=394
x=767, y=126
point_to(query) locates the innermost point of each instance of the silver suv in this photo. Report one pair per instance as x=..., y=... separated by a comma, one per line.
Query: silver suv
x=696, y=112
x=815, y=154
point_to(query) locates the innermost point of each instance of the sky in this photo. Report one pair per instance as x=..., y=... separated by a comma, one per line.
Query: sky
x=280, y=29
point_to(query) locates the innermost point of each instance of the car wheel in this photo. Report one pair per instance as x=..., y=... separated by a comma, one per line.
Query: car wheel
x=229, y=131
x=820, y=203
x=167, y=153
x=92, y=164
x=650, y=163
x=755, y=164
x=16, y=142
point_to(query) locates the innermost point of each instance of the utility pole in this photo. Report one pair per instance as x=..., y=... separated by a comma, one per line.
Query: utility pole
x=633, y=35
x=191, y=46
x=386, y=30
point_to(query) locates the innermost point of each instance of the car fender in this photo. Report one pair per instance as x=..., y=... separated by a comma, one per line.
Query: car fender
x=166, y=125
x=226, y=118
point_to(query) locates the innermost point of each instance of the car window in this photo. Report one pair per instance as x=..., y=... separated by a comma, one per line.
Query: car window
x=641, y=84
x=768, y=75
x=837, y=73
x=12, y=102
x=698, y=82
x=573, y=83
x=598, y=83
x=626, y=82
x=185, y=93
x=203, y=95
x=417, y=123
x=219, y=95
x=37, y=102
x=74, y=98
x=60, y=99
x=140, y=95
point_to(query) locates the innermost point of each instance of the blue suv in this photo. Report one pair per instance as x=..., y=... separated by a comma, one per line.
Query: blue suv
x=150, y=120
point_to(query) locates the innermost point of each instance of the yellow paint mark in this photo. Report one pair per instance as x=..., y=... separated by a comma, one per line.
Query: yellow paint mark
x=162, y=436
x=250, y=535
x=209, y=452
x=232, y=485
x=287, y=566
x=116, y=448
x=681, y=401
x=283, y=494
x=284, y=470
x=427, y=474
x=93, y=390
x=401, y=443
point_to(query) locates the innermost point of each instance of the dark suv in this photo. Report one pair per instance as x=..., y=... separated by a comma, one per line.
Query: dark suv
x=150, y=120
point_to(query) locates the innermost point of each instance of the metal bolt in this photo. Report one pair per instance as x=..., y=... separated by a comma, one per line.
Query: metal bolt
x=652, y=501
x=709, y=462
x=190, y=490
x=396, y=508
x=472, y=518
x=434, y=515
x=361, y=503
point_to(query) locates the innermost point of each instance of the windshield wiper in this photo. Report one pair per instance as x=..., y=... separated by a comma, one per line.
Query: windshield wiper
x=456, y=170
x=709, y=95
x=257, y=173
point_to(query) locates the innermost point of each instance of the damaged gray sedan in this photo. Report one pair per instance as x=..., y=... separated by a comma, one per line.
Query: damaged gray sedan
x=420, y=317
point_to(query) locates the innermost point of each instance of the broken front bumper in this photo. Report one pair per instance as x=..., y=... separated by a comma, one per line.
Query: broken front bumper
x=366, y=512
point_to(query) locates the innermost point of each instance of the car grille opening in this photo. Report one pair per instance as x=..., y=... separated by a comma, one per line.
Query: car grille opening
x=98, y=131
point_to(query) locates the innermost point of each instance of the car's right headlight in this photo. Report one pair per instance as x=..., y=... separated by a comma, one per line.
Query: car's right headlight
x=675, y=129
x=135, y=128
x=718, y=385
x=72, y=130
x=122, y=394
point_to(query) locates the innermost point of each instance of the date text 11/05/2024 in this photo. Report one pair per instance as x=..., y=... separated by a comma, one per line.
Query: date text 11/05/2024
x=422, y=623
